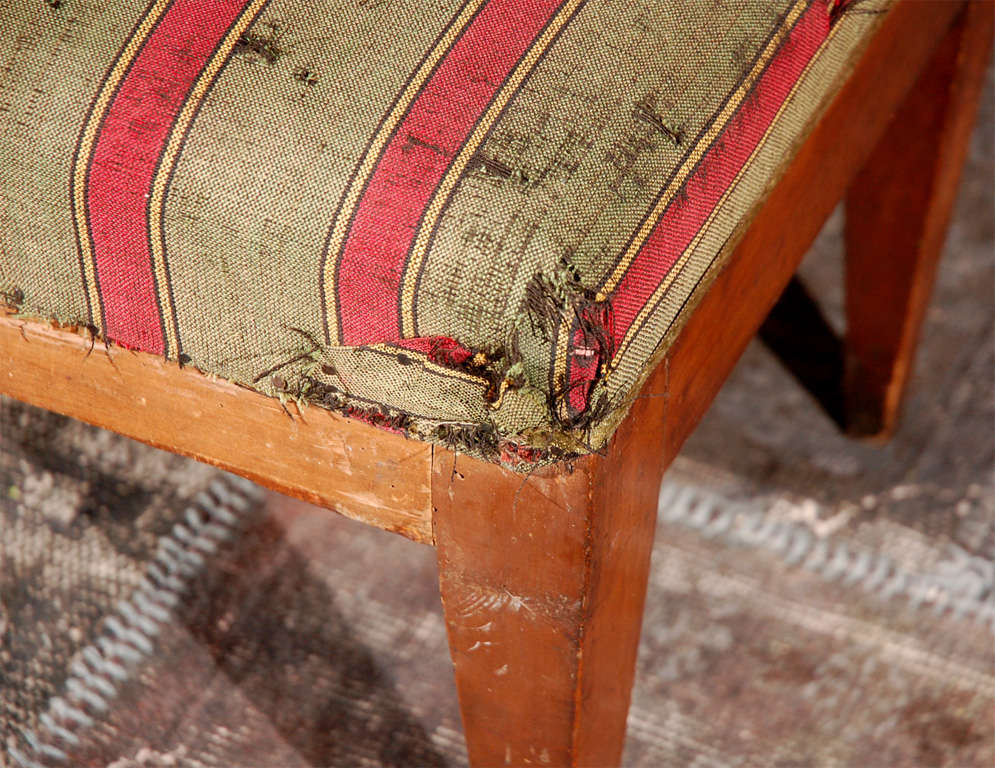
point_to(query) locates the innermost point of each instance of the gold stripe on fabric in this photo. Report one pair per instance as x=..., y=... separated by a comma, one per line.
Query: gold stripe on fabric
x=692, y=158
x=429, y=365
x=167, y=163
x=691, y=161
x=354, y=190
x=456, y=169
x=87, y=143
x=679, y=265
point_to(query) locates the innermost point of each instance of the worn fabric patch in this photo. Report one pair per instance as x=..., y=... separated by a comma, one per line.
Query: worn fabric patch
x=479, y=224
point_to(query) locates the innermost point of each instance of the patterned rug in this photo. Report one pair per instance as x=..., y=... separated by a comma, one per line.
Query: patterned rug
x=152, y=612
x=155, y=612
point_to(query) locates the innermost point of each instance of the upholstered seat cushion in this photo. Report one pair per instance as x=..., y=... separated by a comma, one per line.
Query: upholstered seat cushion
x=476, y=223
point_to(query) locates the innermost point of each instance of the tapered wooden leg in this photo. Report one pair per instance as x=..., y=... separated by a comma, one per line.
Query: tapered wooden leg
x=897, y=211
x=543, y=582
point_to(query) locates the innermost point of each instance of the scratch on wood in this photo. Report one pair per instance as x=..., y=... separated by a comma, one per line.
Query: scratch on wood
x=483, y=599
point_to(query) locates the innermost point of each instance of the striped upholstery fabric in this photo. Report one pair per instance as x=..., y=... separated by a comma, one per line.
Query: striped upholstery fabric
x=478, y=223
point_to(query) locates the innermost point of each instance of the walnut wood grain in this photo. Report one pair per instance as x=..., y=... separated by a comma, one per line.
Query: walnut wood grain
x=317, y=456
x=897, y=213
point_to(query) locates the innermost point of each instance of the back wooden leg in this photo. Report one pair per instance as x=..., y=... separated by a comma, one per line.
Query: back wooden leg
x=543, y=582
x=897, y=211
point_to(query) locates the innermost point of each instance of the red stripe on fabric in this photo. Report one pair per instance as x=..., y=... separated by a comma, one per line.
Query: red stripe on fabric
x=676, y=228
x=438, y=349
x=415, y=160
x=126, y=156
x=586, y=351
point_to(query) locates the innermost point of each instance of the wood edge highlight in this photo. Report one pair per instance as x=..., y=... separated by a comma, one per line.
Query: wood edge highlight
x=320, y=457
